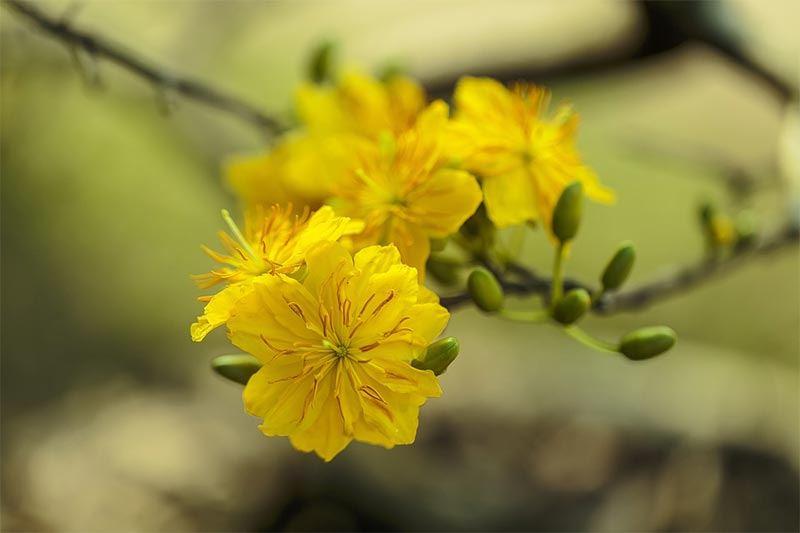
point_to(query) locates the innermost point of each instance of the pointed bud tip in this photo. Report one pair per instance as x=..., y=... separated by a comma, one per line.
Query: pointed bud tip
x=647, y=342
x=485, y=290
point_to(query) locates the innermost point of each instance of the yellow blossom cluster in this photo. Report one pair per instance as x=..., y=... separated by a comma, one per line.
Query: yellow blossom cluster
x=324, y=284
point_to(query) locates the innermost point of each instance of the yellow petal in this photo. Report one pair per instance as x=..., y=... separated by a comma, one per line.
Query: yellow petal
x=483, y=100
x=278, y=394
x=413, y=244
x=406, y=99
x=324, y=225
x=326, y=437
x=510, y=199
x=218, y=310
x=401, y=377
x=390, y=417
x=381, y=301
x=257, y=179
x=427, y=296
x=427, y=321
x=317, y=108
x=346, y=394
x=275, y=315
x=376, y=259
x=322, y=261
x=442, y=204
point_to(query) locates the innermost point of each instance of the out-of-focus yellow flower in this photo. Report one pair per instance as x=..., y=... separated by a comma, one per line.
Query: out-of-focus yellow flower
x=274, y=242
x=360, y=105
x=403, y=191
x=524, y=158
x=301, y=168
x=337, y=349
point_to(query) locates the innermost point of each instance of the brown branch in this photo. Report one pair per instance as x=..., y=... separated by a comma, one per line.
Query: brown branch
x=694, y=275
x=99, y=47
x=530, y=283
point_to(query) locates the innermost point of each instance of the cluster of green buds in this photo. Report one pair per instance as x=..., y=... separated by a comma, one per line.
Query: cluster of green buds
x=565, y=309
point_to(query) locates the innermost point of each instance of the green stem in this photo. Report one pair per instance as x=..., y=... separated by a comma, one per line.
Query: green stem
x=597, y=295
x=532, y=317
x=558, y=267
x=584, y=338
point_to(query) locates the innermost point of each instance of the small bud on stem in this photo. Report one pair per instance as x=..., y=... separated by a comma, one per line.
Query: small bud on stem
x=485, y=290
x=438, y=356
x=568, y=211
x=647, y=342
x=237, y=367
x=619, y=267
x=572, y=306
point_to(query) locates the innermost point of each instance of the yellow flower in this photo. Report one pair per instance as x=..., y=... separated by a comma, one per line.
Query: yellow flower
x=403, y=191
x=337, y=349
x=360, y=105
x=524, y=158
x=301, y=168
x=274, y=242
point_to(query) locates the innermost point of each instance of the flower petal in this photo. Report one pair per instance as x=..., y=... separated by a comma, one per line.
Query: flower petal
x=273, y=317
x=322, y=261
x=218, y=310
x=444, y=202
x=277, y=394
x=510, y=199
x=326, y=437
x=413, y=243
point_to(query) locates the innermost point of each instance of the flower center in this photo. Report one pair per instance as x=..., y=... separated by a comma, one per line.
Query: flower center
x=340, y=350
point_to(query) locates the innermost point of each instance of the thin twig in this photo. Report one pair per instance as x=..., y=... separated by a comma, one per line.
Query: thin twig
x=99, y=47
x=694, y=275
x=530, y=283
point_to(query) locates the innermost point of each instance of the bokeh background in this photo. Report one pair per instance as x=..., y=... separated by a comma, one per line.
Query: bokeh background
x=112, y=420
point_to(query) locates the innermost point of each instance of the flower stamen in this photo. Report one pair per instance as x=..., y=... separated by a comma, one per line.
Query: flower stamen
x=226, y=216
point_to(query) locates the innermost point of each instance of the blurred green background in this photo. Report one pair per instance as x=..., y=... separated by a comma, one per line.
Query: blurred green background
x=112, y=420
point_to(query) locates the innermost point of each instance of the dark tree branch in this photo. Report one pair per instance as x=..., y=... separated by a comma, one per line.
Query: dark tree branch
x=530, y=283
x=694, y=275
x=99, y=47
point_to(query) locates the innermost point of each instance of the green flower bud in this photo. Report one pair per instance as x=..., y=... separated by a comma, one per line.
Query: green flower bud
x=619, y=267
x=438, y=356
x=647, y=342
x=567, y=213
x=444, y=270
x=572, y=306
x=237, y=367
x=485, y=290
x=320, y=66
